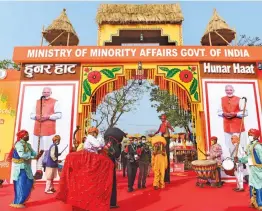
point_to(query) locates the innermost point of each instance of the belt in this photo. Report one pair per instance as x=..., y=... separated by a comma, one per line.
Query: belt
x=14, y=160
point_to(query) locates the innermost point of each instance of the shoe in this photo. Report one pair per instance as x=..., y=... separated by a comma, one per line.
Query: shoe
x=49, y=192
x=155, y=187
x=114, y=206
x=143, y=186
x=139, y=187
x=38, y=175
x=240, y=190
x=53, y=190
x=130, y=190
x=235, y=189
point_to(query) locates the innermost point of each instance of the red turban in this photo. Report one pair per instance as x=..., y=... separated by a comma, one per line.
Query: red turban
x=92, y=129
x=163, y=116
x=213, y=138
x=254, y=132
x=21, y=134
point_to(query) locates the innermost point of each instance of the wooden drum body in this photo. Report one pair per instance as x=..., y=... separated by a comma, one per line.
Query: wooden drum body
x=204, y=168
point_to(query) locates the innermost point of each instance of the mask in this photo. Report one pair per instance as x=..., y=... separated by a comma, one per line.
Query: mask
x=135, y=142
x=251, y=138
x=143, y=142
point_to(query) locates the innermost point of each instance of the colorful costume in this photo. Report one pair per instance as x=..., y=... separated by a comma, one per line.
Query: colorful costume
x=234, y=105
x=52, y=165
x=22, y=173
x=44, y=129
x=254, y=160
x=159, y=161
x=164, y=130
x=216, y=154
x=92, y=143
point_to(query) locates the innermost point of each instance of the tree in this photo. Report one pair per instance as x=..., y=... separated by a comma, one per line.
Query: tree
x=248, y=41
x=117, y=103
x=168, y=104
x=8, y=64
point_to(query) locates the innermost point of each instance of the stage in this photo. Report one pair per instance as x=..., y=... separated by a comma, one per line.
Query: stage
x=181, y=195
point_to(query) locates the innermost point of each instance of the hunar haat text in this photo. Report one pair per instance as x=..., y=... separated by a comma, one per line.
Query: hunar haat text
x=145, y=52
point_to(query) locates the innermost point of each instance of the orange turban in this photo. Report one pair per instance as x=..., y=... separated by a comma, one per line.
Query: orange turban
x=56, y=138
x=254, y=132
x=21, y=134
x=213, y=138
x=92, y=129
x=163, y=116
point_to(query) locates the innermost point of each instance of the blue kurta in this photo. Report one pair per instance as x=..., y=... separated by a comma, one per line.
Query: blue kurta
x=254, y=159
x=22, y=173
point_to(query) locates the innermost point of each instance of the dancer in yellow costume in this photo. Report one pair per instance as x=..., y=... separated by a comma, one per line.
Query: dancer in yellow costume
x=159, y=161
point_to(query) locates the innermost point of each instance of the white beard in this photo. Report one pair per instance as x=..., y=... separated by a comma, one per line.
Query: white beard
x=251, y=138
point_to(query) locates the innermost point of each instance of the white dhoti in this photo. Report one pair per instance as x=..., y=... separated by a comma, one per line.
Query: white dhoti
x=51, y=174
x=45, y=143
x=239, y=173
x=230, y=147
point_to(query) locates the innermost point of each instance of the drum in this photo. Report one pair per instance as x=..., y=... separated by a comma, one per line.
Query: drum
x=229, y=167
x=204, y=168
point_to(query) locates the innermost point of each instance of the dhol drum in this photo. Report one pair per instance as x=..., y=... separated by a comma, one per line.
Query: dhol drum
x=229, y=166
x=205, y=170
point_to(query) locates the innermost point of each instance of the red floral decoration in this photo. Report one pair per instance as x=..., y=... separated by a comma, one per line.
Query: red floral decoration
x=94, y=77
x=186, y=76
x=193, y=69
x=87, y=69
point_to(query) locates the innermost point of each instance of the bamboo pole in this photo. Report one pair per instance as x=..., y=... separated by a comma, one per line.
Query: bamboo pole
x=209, y=36
x=235, y=37
x=56, y=38
x=68, y=38
x=42, y=39
x=222, y=37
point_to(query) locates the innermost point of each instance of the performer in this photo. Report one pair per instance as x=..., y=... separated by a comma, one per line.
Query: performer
x=52, y=165
x=239, y=171
x=81, y=146
x=132, y=163
x=45, y=124
x=231, y=111
x=144, y=160
x=93, y=142
x=216, y=154
x=254, y=160
x=86, y=182
x=159, y=161
x=22, y=175
x=114, y=136
x=164, y=130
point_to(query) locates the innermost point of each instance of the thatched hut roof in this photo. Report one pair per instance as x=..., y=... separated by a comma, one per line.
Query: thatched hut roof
x=139, y=14
x=216, y=28
x=57, y=33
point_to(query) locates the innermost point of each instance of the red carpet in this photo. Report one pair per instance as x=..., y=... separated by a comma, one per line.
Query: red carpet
x=181, y=195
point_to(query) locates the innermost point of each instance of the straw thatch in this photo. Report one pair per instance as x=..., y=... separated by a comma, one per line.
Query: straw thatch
x=61, y=32
x=139, y=14
x=218, y=32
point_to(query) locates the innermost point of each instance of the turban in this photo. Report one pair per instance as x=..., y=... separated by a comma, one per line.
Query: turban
x=56, y=138
x=21, y=134
x=163, y=116
x=254, y=132
x=92, y=129
x=213, y=138
x=158, y=139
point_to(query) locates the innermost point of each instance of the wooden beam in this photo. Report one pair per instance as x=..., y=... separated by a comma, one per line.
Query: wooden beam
x=42, y=39
x=222, y=37
x=56, y=38
x=209, y=37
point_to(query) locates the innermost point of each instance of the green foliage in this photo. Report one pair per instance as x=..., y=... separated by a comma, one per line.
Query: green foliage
x=8, y=64
x=168, y=104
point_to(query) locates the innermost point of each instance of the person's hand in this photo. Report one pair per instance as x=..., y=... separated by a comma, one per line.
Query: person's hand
x=44, y=118
x=233, y=114
x=236, y=159
x=59, y=161
x=38, y=117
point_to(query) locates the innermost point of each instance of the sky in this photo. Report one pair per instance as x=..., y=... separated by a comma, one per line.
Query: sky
x=22, y=22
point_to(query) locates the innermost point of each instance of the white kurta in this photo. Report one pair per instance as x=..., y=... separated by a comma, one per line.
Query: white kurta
x=243, y=139
x=239, y=173
x=93, y=144
x=51, y=173
x=45, y=141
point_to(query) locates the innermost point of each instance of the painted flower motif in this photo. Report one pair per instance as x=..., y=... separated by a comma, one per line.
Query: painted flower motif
x=94, y=77
x=193, y=69
x=186, y=76
x=87, y=69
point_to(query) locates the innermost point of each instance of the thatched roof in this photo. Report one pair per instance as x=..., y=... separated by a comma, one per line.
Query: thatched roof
x=139, y=14
x=61, y=25
x=217, y=26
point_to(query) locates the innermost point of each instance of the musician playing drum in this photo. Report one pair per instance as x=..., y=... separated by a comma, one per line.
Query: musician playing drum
x=239, y=170
x=216, y=154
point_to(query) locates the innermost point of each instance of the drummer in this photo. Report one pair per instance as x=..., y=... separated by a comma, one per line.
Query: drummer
x=216, y=154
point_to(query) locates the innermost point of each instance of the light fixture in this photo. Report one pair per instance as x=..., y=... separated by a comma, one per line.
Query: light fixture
x=141, y=37
x=139, y=73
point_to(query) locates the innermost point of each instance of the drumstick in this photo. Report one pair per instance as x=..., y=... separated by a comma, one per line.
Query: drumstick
x=202, y=152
